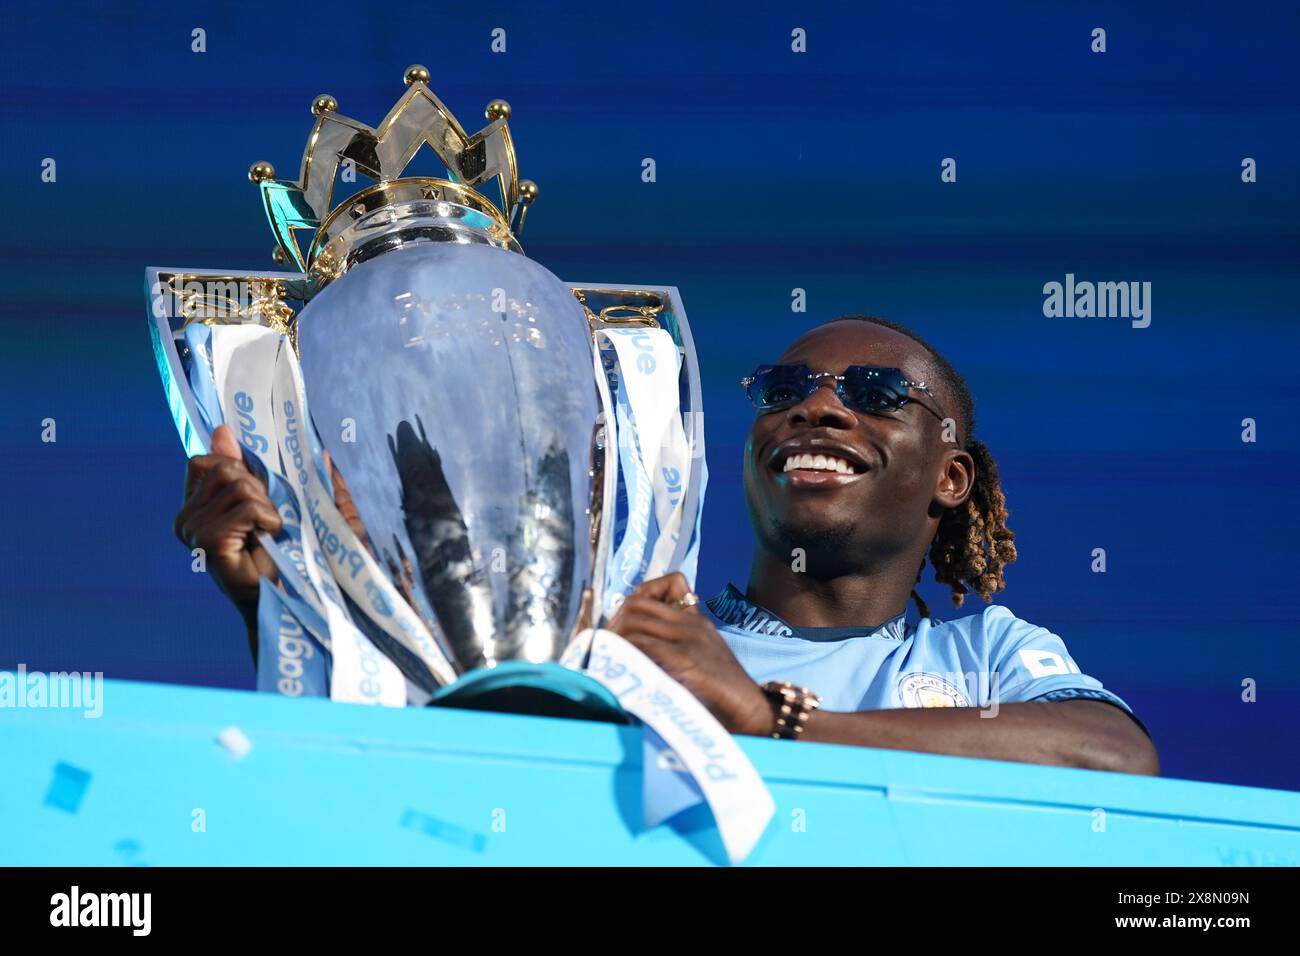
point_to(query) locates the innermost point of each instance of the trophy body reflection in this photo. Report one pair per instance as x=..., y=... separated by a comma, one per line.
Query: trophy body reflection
x=506, y=482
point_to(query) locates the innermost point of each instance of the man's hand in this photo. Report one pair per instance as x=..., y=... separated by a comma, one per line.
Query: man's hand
x=687, y=645
x=225, y=506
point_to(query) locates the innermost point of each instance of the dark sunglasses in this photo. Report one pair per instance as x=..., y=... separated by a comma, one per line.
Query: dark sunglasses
x=863, y=388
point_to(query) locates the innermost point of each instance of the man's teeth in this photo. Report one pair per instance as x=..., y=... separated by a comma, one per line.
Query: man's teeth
x=819, y=463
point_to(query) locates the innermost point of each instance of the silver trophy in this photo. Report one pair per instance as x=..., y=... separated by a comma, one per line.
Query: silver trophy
x=464, y=393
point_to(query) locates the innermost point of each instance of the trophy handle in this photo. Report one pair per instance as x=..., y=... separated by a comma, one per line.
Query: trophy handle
x=176, y=298
x=612, y=305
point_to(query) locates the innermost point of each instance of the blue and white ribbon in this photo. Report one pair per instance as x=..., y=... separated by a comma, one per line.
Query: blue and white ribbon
x=654, y=457
x=688, y=756
x=244, y=363
x=291, y=660
x=348, y=559
x=736, y=794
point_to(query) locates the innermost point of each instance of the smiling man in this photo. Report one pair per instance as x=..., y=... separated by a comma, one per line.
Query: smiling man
x=861, y=460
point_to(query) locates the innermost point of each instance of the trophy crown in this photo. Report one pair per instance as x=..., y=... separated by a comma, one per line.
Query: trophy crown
x=383, y=153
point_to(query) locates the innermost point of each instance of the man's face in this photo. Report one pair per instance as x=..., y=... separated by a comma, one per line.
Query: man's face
x=898, y=460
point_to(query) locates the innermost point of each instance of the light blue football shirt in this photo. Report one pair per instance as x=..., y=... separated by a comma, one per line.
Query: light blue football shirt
x=967, y=662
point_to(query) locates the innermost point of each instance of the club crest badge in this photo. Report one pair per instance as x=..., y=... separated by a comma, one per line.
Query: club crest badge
x=929, y=690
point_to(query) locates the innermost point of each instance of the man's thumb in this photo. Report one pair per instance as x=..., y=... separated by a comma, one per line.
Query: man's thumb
x=223, y=442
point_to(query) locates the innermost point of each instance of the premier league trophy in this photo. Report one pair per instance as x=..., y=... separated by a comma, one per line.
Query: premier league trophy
x=475, y=461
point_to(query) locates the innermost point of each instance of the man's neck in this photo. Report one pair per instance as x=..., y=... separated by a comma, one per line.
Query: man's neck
x=802, y=599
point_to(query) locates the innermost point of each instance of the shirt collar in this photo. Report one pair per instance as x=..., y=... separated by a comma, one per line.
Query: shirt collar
x=734, y=609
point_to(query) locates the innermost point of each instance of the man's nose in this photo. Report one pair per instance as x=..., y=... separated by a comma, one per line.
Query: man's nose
x=822, y=407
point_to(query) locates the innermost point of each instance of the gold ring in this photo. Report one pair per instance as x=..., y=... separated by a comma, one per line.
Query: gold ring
x=689, y=599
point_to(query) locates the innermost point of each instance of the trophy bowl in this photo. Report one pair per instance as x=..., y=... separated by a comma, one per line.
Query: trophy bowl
x=459, y=377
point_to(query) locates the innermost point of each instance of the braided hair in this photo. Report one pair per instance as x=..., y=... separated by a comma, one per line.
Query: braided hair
x=973, y=544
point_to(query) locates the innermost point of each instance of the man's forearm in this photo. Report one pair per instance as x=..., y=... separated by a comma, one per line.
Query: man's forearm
x=1088, y=734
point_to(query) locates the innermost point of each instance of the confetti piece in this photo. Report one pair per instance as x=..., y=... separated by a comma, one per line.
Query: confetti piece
x=235, y=742
x=67, y=788
x=441, y=830
x=128, y=850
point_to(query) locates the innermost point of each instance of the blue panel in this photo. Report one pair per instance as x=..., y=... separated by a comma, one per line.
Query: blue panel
x=331, y=783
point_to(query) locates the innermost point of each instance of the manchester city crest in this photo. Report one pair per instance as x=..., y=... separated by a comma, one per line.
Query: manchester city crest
x=929, y=690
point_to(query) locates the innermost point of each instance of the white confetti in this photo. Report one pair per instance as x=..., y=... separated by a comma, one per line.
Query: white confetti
x=235, y=742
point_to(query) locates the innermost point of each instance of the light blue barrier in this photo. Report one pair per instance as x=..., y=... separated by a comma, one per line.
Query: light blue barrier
x=330, y=783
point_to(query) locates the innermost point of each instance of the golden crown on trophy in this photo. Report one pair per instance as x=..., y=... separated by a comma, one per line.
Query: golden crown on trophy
x=383, y=153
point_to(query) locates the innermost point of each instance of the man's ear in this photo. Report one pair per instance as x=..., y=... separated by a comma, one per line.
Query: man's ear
x=956, y=479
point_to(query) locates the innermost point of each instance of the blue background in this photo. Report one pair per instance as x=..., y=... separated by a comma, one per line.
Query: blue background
x=775, y=171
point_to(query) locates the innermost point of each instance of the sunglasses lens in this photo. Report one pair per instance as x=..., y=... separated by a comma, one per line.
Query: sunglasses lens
x=874, y=390
x=778, y=386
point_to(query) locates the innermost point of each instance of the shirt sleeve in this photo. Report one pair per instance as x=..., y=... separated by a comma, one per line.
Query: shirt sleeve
x=1033, y=664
